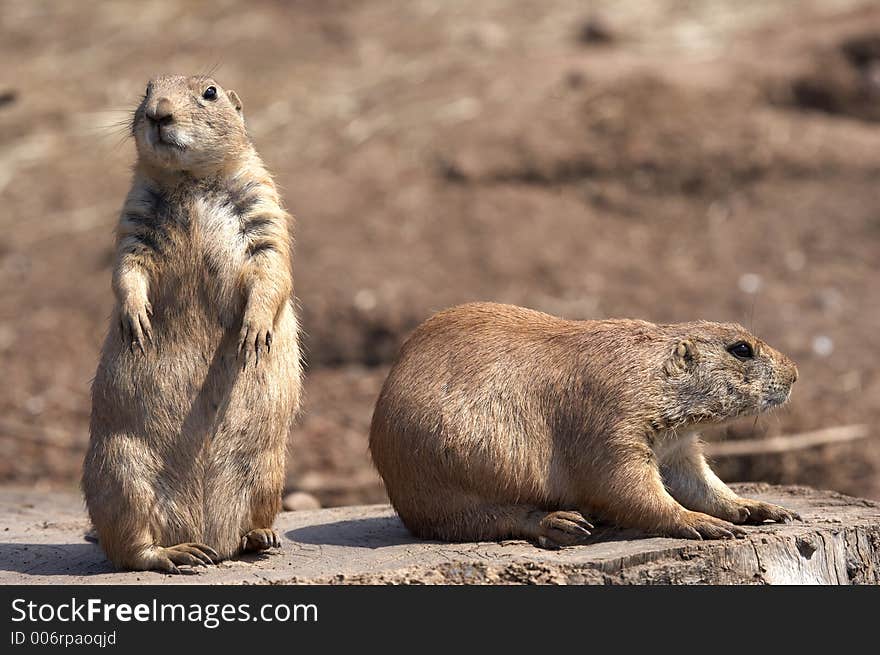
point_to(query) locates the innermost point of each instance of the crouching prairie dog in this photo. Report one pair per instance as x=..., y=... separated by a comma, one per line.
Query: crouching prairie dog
x=500, y=422
x=199, y=376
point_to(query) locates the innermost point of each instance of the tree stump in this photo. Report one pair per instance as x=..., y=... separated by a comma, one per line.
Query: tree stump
x=838, y=542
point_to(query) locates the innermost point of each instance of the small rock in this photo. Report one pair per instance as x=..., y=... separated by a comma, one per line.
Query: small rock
x=8, y=96
x=750, y=283
x=365, y=300
x=299, y=500
x=595, y=30
x=823, y=346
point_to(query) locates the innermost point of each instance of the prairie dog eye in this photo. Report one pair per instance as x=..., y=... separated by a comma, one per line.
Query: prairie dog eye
x=210, y=93
x=741, y=350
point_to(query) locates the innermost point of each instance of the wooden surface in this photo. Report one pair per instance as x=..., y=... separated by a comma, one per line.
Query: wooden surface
x=42, y=542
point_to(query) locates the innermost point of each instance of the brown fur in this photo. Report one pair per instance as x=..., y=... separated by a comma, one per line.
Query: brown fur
x=199, y=377
x=501, y=422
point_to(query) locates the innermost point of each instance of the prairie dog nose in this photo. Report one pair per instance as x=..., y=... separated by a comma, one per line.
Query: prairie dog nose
x=161, y=112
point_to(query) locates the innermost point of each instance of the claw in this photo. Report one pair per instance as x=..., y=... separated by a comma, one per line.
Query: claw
x=191, y=555
x=210, y=552
x=146, y=328
x=563, y=528
x=259, y=540
x=243, y=350
x=242, y=339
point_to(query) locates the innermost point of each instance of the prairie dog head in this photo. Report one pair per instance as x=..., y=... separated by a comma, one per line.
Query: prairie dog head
x=189, y=124
x=715, y=372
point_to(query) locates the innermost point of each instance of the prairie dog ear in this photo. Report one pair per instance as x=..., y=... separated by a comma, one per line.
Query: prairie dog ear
x=235, y=100
x=683, y=358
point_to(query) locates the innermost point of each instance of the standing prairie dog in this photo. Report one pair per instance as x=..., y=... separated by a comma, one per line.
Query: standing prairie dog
x=500, y=422
x=199, y=377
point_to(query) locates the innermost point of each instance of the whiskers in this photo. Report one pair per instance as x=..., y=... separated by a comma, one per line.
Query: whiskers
x=111, y=124
x=752, y=327
x=211, y=69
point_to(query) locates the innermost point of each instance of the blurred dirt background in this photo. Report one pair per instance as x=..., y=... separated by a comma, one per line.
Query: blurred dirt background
x=668, y=160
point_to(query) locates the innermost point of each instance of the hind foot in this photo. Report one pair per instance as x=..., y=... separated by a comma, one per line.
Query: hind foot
x=696, y=525
x=558, y=529
x=190, y=554
x=260, y=539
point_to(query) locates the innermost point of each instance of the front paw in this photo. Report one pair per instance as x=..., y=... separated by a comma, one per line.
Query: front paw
x=260, y=539
x=188, y=554
x=134, y=325
x=255, y=338
x=760, y=512
x=731, y=510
